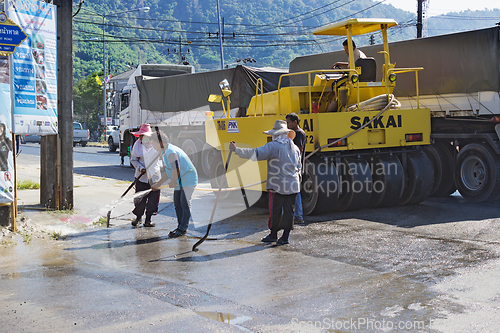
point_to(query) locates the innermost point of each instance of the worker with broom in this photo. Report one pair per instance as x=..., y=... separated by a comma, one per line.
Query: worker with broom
x=183, y=178
x=142, y=157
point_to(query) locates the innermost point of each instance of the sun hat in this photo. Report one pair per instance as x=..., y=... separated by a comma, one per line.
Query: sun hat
x=279, y=128
x=144, y=130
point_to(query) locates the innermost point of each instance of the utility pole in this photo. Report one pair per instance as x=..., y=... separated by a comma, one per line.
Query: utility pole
x=220, y=37
x=419, y=18
x=372, y=40
x=104, y=73
x=57, y=150
x=65, y=95
x=182, y=56
x=180, y=49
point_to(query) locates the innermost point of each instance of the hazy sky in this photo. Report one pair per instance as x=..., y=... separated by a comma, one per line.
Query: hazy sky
x=437, y=7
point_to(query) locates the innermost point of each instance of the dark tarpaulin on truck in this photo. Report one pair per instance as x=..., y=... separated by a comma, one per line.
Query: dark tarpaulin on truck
x=464, y=62
x=190, y=91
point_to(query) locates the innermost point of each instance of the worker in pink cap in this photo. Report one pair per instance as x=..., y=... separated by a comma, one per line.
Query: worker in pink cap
x=142, y=158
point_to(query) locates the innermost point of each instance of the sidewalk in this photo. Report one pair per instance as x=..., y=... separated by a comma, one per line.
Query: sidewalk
x=102, y=144
x=93, y=197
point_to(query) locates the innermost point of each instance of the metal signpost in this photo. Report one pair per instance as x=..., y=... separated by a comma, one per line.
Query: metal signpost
x=11, y=36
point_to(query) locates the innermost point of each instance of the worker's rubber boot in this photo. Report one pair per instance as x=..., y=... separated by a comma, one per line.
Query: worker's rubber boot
x=136, y=221
x=284, y=238
x=148, y=223
x=272, y=237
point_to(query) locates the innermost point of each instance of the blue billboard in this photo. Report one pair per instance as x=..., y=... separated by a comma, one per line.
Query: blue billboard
x=34, y=67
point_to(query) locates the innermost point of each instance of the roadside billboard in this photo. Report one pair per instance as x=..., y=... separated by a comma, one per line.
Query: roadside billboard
x=34, y=67
x=6, y=154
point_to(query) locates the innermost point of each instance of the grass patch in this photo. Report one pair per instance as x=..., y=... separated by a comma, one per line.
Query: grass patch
x=63, y=211
x=101, y=222
x=27, y=238
x=27, y=185
x=56, y=235
x=124, y=182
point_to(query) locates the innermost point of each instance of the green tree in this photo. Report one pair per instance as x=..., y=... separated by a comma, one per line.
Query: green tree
x=87, y=101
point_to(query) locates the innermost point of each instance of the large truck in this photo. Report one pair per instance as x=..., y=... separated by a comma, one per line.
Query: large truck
x=131, y=114
x=433, y=132
x=173, y=98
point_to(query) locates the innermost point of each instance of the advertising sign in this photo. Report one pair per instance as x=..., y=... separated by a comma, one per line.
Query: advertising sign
x=34, y=67
x=6, y=154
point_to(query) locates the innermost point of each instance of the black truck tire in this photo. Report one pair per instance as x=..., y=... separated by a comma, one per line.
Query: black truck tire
x=477, y=173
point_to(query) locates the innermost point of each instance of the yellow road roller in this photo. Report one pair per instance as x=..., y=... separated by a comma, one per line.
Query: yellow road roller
x=366, y=151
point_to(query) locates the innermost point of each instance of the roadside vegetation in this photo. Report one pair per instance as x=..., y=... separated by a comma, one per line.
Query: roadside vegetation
x=64, y=211
x=28, y=185
x=27, y=238
x=56, y=235
x=101, y=222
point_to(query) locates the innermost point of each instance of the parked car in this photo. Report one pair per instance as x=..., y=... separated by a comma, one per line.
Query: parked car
x=113, y=135
x=80, y=135
x=30, y=138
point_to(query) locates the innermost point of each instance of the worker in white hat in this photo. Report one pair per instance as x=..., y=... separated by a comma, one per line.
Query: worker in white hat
x=283, y=178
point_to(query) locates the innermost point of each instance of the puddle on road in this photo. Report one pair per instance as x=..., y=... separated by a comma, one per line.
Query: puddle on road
x=94, y=215
x=57, y=262
x=223, y=317
x=41, y=259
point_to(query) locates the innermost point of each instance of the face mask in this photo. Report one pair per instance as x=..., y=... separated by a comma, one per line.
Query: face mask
x=145, y=140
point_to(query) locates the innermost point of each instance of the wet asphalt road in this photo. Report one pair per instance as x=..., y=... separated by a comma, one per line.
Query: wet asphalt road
x=89, y=161
x=432, y=267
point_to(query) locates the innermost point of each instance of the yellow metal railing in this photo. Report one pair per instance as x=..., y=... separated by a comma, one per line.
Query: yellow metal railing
x=407, y=70
x=333, y=71
x=257, y=96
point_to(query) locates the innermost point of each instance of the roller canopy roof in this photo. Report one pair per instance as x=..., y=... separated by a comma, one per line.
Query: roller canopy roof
x=358, y=27
x=465, y=62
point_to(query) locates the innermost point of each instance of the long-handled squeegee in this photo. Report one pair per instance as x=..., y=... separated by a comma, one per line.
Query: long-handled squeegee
x=215, y=204
x=108, y=215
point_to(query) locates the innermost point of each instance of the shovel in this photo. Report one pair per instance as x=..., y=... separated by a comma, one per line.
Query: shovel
x=108, y=215
x=215, y=205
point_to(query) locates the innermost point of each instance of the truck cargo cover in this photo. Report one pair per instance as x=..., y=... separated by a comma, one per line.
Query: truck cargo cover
x=190, y=91
x=465, y=62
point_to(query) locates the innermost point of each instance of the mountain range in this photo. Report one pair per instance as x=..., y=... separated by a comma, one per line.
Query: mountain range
x=261, y=33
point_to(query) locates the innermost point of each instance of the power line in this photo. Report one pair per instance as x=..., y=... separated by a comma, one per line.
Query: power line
x=467, y=18
x=298, y=43
x=265, y=26
x=276, y=24
x=187, y=22
x=254, y=42
x=199, y=42
x=191, y=40
x=186, y=31
x=298, y=33
x=348, y=16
